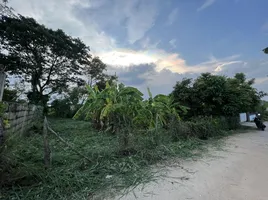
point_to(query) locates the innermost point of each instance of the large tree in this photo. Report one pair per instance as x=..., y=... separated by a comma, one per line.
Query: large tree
x=217, y=95
x=48, y=59
x=95, y=74
x=5, y=9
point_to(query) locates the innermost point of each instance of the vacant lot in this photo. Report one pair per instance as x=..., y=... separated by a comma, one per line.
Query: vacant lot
x=107, y=169
x=238, y=172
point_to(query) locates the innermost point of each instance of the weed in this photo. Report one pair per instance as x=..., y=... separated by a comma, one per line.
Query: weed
x=114, y=168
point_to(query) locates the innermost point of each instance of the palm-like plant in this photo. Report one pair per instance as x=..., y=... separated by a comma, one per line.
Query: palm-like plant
x=115, y=105
x=118, y=107
x=157, y=112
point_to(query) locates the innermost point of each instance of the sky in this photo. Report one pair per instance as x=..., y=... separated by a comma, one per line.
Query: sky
x=154, y=43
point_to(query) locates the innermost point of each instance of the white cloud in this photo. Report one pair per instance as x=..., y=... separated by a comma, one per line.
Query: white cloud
x=62, y=14
x=140, y=19
x=87, y=19
x=172, y=16
x=147, y=44
x=206, y=4
x=173, y=43
x=163, y=60
x=261, y=80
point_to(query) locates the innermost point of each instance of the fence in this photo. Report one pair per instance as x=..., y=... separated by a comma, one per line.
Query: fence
x=47, y=151
x=2, y=84
x=22, y=116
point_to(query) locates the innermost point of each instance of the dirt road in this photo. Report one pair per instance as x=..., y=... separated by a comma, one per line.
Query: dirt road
x=239, y=172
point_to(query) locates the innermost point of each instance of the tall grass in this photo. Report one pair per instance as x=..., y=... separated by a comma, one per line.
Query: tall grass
x=23, y=175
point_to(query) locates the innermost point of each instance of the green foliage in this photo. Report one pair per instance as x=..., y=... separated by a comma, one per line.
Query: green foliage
x=263, y=110
x=5, y=9
x=14, y=94
x=47, y=59
x=119, y=107
x=2, y=109
x=23, y=176
x=61, y=108
x=10, y=95
x=2, y=115
x=265, y=50
x=203, y=127
x=213, y=95
x=96, y=76
x=70, y=103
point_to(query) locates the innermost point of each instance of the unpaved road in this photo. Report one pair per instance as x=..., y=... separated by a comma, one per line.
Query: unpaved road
x=239, y=172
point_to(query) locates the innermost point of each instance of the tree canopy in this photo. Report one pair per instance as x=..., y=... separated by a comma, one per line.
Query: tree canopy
x=49, y=60
x=217, y=95
x=265, y=50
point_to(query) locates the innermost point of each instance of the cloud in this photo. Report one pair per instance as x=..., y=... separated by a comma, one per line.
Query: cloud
x=123, y=58
x=141, y=18
x=147, y=44
x=173, y=43
x=147, y=75
x=162, y=81
x=89, y=19
x=206, y=4
x=262, y=80
x=224, y=64
x=62, y=14
x=134, y=74
x=148, y=66
x=84, y=19
x=252, y=69
x=172, y=16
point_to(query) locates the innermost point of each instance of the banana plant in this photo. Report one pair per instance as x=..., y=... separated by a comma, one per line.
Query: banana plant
x=112, y=105
x=119, y=106
x=158, y=110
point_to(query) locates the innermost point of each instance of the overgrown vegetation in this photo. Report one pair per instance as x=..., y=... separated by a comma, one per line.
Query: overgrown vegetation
x=70, y=177
x=49, y=60
x=214, y=95
x=119, y=131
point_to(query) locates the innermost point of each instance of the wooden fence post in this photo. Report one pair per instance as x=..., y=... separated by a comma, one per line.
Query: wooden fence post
x=2, y=84
x=47, y=159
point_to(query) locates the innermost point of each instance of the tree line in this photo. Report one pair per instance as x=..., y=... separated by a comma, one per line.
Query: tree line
x=52, y=62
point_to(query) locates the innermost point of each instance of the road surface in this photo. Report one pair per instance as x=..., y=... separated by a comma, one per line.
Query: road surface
x=239, y=172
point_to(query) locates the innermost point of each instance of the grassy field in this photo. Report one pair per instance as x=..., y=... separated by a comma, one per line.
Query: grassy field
x=70, y=176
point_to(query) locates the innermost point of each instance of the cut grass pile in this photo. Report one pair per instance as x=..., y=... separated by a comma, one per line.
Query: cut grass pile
x=23, y=175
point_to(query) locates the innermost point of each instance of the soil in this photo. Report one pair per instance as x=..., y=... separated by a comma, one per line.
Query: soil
x=238, y=172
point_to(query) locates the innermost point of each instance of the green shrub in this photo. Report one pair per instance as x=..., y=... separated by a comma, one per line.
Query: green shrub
x=202, y=127
x=63, y=108
x=2, y=109
x=179, y=130
x=233, y=123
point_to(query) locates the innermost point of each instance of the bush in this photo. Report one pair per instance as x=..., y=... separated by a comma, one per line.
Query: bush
x=63, y=108
x=2, y=109
x=202, y=127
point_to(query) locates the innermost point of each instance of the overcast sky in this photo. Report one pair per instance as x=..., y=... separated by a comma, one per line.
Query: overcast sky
x=158, y=42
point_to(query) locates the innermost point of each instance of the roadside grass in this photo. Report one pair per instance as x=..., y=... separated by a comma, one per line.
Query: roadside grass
x=23, y=175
